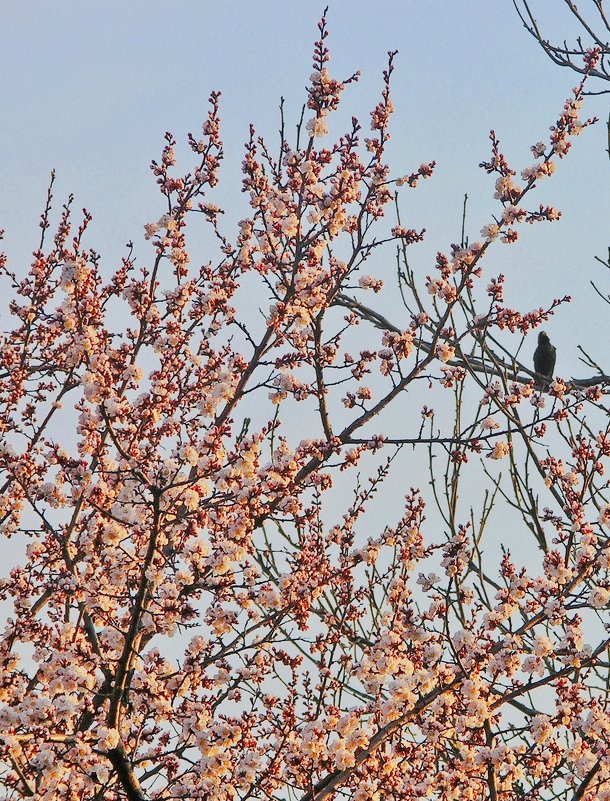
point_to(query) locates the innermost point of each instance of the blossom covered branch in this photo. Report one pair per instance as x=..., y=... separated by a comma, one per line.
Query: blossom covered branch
x=216, y=597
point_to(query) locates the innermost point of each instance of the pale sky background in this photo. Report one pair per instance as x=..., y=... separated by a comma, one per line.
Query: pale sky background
x=89, y=88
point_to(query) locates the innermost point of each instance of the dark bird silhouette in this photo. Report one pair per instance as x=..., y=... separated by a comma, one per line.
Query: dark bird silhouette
x=544, y=361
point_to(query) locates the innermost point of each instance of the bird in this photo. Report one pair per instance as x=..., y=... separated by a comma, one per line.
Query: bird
x=544, y=361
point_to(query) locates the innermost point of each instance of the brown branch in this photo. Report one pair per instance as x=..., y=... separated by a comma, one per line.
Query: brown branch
x=334, y=780
x=337, y=778
x=130, y=646
x=584, y=785
x=321, y=388
x=125, y=773
x=517, y=371
x=564, y=56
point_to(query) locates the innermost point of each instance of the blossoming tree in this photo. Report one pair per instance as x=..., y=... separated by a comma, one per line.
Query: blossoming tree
x=207, y=604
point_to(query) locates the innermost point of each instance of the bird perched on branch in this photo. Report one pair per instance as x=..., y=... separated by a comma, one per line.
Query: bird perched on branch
x=544, y=361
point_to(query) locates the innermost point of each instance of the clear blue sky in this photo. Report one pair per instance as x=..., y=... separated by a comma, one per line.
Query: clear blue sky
x=90, y=88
